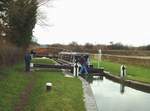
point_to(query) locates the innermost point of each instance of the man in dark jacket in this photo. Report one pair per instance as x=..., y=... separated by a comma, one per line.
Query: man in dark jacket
x=83, y=63
x=27, y=59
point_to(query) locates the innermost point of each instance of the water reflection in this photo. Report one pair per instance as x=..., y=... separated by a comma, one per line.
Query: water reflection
x=122, y=88
x=91, y=78
x=111, y=96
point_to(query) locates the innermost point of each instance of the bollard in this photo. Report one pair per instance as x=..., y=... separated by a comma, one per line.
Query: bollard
x=122, y=71
x=31, y=65
x=99, y=57
x=76, y=69
x=48, y=86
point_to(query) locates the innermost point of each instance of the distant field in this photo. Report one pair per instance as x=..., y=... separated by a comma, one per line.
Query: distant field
x=133, y=72
x=127, y=52
x=142, y=61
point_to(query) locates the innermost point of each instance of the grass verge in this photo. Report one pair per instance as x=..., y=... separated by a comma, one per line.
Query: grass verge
x=43, y=60
x=12, y=82
x=66, y=93
x=133, y=72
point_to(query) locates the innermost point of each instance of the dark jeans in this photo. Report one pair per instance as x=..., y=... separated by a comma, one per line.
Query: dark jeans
x=27, y=66
x=83, y=69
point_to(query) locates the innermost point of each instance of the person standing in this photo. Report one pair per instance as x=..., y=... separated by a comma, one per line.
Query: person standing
x=83, y=65
x=27, y=59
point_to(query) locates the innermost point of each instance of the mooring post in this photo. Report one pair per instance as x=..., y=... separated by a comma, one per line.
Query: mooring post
x=76, y=69
x=48, y=86
x=122, y=71
x=31, y=65
x=99, y=57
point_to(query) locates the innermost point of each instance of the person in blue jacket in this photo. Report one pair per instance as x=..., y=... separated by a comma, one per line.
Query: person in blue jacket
x=27, y=59
x=83, y=65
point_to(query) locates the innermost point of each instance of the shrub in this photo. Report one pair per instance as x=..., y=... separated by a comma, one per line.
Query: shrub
x=9, y=54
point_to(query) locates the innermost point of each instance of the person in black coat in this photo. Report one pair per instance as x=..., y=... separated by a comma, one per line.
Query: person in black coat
x=83, y=63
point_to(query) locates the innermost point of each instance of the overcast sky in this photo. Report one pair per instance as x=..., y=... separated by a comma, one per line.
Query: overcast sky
x=95, y=21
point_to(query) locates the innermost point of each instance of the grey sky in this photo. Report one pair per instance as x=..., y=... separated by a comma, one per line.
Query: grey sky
x=96, y=21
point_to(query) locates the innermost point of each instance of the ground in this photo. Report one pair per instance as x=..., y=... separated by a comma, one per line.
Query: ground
x=137, y=73
x=23, y=91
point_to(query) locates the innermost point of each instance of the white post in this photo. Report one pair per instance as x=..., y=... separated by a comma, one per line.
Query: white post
x=31, y=65
x=99, y=57
x=76, y=69
x=122, y=71
x=48, y=86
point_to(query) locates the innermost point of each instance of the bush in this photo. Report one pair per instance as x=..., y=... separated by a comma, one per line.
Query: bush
x=9, y=54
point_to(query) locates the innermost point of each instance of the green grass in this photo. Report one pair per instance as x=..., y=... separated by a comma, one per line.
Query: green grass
x=12, y=82
x=133, y=72
x=66, y=93
x=42, y=61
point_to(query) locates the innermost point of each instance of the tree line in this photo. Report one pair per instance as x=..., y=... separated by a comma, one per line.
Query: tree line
x=93, y=48
x=17, y=20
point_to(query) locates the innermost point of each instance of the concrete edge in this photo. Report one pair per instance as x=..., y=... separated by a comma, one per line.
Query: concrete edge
x=90, y=102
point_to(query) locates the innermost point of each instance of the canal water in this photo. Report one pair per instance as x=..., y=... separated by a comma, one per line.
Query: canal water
x=111, y=96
